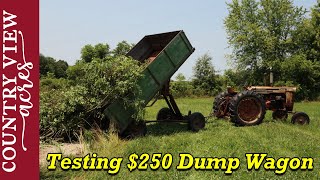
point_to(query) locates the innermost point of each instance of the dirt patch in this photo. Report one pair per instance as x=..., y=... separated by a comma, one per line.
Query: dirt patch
x=67, y=149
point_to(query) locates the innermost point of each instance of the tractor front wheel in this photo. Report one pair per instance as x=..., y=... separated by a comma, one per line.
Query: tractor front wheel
x=300, y=118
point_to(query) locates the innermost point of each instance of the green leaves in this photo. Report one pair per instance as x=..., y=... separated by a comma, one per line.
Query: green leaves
x=205, y=78
x=122, y=48
x=61, y=111
x=275, y=34
x=304, y=73
x=260, y=31
x=89, y=52
x=181, y=87
x=110, y=78
x=93, y=83
x=49, y=65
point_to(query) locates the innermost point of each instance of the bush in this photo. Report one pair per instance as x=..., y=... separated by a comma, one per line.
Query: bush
x=181, y=88
x=49, y=83
x=206, y=81
x=62, y=112
x=304, y=73
x=66, y=106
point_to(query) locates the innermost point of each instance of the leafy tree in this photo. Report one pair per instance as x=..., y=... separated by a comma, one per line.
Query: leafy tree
x=235, y=78
x=205, y=78
x=315, y=21
x=180, y=77
x=304, y=74
x=122, y=48
x=47, y=64
x=242, y=25
x=260, y=33
x=275, y=34
x=307, y=36
x=181, y=87
x=279, y=19
x=76, y=71
x=61, y=69
x=89, y=52
x=101, y=50
x=50, y=65
x=316, y=25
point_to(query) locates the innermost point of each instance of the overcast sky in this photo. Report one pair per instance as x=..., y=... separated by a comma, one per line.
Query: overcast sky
x=67, y=25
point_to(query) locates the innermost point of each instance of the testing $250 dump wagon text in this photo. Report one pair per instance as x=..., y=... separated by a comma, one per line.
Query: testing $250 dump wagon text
x=254, y=161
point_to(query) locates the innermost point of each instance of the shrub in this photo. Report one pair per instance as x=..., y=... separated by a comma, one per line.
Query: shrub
x=80, y=100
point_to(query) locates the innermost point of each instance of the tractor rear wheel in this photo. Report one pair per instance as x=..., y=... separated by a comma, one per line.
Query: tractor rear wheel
x=196, y=121
x=300, y=118
x=165, y=114
x=247, y=108
x=280, y=115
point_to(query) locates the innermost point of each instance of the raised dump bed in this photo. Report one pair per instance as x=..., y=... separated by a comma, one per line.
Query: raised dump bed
x=164, y=54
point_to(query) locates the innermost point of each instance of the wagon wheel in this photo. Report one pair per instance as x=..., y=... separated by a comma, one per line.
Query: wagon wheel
x=165, y=114
x=247, y=108
x=135, y=129
x=196, y=121
x=300, y=118
x=280, y=115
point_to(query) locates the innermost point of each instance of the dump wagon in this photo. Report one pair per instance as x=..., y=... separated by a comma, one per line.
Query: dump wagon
x=164, y=54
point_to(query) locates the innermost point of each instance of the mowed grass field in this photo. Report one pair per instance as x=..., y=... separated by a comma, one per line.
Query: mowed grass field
x=220, y=138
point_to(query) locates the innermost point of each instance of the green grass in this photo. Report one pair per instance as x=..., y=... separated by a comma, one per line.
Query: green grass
x=219, y=139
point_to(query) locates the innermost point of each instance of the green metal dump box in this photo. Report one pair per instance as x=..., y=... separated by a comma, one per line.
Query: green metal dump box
x=164, y=54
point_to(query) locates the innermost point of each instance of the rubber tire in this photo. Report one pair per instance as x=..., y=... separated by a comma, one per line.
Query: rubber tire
x=134, y=130
x=297, y=114
x=165, y=114
x=233, y=108
x=276, y=115
x=196, y=121
x=217, y=100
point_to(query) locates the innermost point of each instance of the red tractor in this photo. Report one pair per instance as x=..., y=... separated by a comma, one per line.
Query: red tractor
x=249, y=106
